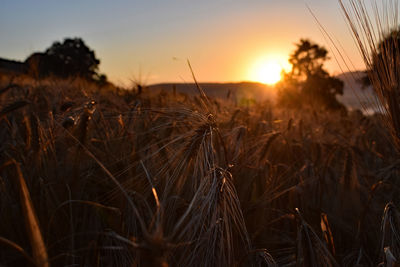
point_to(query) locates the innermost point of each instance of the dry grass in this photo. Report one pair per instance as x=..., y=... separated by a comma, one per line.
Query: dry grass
x=371, y=25
x=115, y=178
x=376, y=28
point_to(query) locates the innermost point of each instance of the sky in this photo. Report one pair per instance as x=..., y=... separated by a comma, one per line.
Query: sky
x=150, y=41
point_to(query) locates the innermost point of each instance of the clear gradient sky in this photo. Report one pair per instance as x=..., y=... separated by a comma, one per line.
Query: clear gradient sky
x=150, y=40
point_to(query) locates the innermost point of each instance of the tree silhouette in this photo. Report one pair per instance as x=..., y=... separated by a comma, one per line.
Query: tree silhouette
x=67, y=59
x=308, y=82
x=307, y=59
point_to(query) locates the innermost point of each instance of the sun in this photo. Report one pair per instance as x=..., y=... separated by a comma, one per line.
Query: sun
x=268, y=70
x=269, y=73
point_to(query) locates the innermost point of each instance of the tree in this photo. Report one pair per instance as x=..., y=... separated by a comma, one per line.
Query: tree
x=307, y=59
x=67, y=59
x=308, y=82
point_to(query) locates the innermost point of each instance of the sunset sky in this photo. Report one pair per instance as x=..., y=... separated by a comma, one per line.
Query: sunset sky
x=150, y=40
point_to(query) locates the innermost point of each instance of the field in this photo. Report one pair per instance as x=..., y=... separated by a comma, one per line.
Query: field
x=101, y=176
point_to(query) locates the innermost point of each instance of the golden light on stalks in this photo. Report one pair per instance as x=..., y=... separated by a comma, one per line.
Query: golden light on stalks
x=38, y=246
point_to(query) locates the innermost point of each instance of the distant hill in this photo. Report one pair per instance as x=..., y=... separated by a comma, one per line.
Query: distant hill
x=235, y=91
x=11, y=66
x=261, y=92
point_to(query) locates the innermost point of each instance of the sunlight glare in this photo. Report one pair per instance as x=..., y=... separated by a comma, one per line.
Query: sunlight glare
x=268, y=70
x=270, y=73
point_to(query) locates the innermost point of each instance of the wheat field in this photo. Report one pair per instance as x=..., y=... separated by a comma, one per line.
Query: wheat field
x=100, y=176
x=96, y=175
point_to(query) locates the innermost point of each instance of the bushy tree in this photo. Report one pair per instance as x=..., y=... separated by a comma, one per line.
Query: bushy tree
x=67, y=59
x=309, y=83
x=307, y=59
